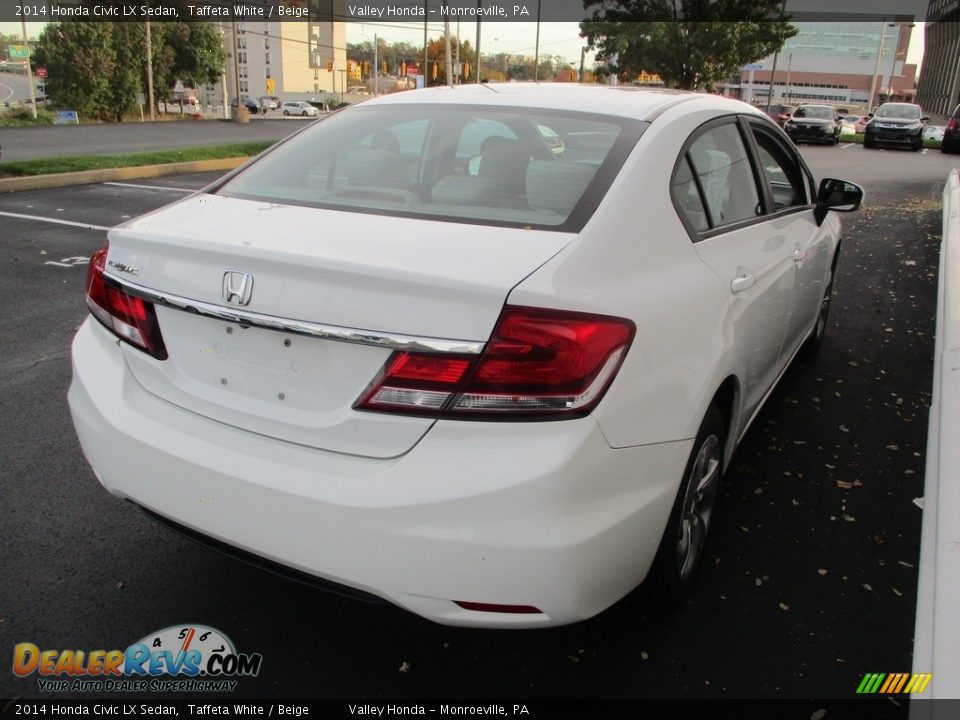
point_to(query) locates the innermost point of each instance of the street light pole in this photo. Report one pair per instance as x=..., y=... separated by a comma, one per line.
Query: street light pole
x=773, y=72
x=479, y=5
x=153, y=115
x=536, y=51
x=33, y=94
x=876, y=67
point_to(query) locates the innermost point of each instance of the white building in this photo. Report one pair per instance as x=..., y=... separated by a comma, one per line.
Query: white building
x=289, y=60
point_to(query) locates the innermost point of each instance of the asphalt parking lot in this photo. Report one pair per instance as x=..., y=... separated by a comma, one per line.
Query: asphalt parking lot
x=811, y=578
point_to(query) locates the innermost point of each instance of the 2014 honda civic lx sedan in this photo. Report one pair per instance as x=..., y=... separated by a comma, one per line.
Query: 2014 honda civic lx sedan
x=413, y=352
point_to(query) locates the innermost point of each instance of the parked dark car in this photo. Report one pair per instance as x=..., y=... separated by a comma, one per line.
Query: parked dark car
x=780, y=113
x=951, y=134
x=814, y=123
x=251, y=105
x=896, y=124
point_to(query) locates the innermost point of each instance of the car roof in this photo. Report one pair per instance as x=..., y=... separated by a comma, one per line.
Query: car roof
x=898, y=104
x=625, y=101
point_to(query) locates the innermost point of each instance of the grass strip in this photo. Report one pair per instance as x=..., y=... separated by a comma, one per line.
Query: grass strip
x=48, y=166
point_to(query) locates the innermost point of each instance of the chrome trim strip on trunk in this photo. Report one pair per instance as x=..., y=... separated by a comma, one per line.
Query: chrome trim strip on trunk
x=337, y=333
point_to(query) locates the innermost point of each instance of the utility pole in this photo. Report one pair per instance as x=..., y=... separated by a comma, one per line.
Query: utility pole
x=479, y=4
x=223, y=77
x=426, y=56
x=876, y=68
x=236, y=67
x=153, y=111
x=33, y=93
x=773, y=72
x=789, y=67
x=583, y=52
x=376, y=67
x=536, y=49
x=447, y=62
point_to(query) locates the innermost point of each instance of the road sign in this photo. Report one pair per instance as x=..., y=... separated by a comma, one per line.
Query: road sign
x=18, y=52
x=753, y=66
x=40, y=72
x=67, y=117
x=412, y=71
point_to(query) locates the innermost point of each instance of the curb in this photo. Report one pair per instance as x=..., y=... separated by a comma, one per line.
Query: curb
x=89, y=177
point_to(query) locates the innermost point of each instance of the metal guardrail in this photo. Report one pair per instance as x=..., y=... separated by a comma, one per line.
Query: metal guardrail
x=937, y=633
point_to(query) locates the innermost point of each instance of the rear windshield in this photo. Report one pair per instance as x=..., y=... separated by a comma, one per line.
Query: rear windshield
x=473, y=164
x=814, y=111
x=901, y=112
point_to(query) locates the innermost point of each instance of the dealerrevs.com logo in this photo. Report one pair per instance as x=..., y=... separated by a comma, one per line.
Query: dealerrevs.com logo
x=181, y=658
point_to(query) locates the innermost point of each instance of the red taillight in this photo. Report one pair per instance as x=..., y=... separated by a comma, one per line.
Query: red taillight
x=497, y=608
x=952, y=125
x=537, y=362
x=128, y=317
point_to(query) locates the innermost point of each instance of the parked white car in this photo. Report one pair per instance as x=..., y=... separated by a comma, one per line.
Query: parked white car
x=299, y=108
x=496, y=398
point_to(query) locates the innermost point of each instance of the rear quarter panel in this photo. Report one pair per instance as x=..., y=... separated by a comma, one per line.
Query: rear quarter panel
x=635, y=259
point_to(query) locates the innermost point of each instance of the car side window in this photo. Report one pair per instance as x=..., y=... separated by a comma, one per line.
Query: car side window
x=722, y=166
x=782, y=173
x=687, y=195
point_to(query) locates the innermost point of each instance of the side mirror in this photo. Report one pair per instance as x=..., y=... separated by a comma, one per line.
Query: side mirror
x=836, y=195
x=925, y=119
x=869, y=115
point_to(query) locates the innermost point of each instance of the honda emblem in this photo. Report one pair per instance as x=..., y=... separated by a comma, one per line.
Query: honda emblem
x=237, y=287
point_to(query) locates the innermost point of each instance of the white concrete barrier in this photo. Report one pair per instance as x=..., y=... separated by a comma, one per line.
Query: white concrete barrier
x=936, y=647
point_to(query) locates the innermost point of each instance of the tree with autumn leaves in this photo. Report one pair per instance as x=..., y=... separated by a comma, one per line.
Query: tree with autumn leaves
x=691, y=44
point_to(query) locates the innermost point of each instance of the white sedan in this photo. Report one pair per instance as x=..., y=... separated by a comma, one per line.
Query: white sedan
x=497, y=392
x=299, y=108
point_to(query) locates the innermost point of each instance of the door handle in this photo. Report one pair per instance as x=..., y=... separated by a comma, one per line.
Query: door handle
x=799, y=254
x=741, y=283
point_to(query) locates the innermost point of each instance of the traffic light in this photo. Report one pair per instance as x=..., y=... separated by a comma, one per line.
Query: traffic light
x=330, y=66
x=434, y=71
x=573, y=75
x=403, y=69
x=383, y=67
x=466, y=70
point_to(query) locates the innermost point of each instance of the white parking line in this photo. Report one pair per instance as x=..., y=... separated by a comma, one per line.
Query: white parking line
x=924, y=151
x=151, y=187
x=844, y=147
x=52, y=220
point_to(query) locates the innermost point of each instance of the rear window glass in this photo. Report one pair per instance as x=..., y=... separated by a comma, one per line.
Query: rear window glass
x=503, y=166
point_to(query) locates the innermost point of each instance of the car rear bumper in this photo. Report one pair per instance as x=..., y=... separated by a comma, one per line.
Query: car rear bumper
x=541, y=514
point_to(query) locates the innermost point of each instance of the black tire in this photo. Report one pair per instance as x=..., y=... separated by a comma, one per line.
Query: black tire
x=918, y=147
x=947, y=148
x=681, y=552
x=869, y=143
x=812, y=344
x=303, y=114
x=286, y=112
x=836, y=139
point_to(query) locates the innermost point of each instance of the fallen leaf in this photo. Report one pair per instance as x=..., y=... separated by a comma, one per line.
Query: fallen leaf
x=822, y=571
x=784, y=606
x=918, y=502
x=404, y=667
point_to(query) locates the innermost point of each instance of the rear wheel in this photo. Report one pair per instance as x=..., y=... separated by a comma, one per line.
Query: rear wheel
x=868, y=143
x=286, y=112
x=682, y=547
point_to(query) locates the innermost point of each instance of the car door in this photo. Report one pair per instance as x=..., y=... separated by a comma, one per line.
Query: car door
x=718, y=191
x=790, y=198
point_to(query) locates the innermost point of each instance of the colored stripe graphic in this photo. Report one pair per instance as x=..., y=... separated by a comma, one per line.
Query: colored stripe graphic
x=870, y=683
x=894, y=683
